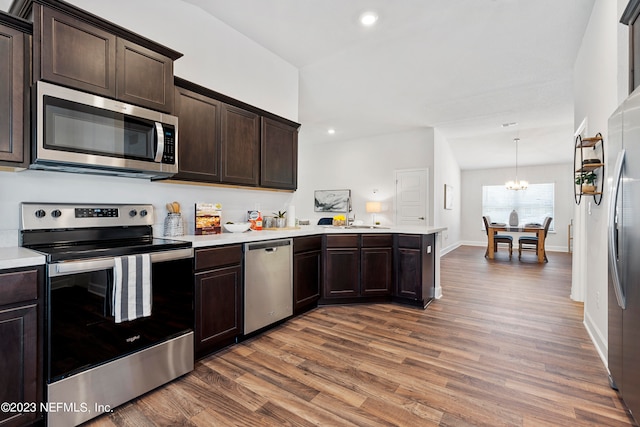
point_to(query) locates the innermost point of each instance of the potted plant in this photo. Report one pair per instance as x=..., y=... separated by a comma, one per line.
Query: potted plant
x=280, y=219
x=587, y=181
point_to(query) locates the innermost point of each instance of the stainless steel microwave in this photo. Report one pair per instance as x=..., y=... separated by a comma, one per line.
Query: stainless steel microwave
x=80, y=132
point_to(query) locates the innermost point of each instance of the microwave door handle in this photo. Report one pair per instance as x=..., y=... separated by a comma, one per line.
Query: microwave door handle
x=160, y=142
x=613, y=232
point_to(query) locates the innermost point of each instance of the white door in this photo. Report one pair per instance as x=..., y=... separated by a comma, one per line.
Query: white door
x=412, y=197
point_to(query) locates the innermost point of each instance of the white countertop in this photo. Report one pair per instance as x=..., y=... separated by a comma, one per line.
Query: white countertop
x=14, y=257
x=305, y=230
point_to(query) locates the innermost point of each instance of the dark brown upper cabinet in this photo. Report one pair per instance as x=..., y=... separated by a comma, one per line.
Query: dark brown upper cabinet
x=199, y=139
x=223, y=140
x=279, y=155
x=240, y=146
x=74, y=48
x=14, y=66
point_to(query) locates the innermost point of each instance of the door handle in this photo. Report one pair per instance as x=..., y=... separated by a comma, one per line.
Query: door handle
x=613, y=232
x=421, y=217
x=160, y=143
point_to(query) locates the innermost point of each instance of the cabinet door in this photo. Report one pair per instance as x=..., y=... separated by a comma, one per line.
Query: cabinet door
x=279, y=155
x=306, y=279
x=74, y=53
x=240, y=146
x=218, y=308
x=376, y=271
x=199, y=136
x=144, y=77
x=409, y=273
x=19, y=362
x=12, y=96
x=341, y=278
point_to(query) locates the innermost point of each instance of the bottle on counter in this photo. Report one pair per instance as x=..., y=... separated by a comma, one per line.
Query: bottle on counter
x=259, y=221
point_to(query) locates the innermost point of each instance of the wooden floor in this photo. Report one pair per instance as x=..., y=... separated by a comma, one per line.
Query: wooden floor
x=505, y=346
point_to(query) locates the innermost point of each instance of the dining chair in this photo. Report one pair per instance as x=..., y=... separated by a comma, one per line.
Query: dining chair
x=497, y=238
x=530, y=243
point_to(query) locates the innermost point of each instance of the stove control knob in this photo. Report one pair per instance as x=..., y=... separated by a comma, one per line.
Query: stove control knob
x=40, y=213
x=56, y=213
x=133, y=213
x=143, y=213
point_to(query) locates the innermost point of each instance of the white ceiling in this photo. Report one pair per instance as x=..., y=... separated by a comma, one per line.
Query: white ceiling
x=462, y=66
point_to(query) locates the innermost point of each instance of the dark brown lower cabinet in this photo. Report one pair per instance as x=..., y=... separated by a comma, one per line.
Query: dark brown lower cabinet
x=307, y=272
x=21, y=338
x=341, y=277
x=376, y=270
x=218, y=298
x=414, y=269
x=357, y=267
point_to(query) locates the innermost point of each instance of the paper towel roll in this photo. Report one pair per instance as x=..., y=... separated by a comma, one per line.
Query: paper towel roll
x=291, y=216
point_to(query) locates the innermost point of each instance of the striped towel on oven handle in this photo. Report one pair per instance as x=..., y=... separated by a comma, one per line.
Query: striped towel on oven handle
x=132, y=294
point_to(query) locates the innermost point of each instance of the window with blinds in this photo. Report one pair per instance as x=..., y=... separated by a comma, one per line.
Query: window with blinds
x=533, y=204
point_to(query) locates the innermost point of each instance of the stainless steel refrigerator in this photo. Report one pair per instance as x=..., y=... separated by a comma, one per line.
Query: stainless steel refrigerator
x=622, y=158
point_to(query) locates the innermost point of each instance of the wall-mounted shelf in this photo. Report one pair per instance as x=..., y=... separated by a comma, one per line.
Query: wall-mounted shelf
x=592, y=165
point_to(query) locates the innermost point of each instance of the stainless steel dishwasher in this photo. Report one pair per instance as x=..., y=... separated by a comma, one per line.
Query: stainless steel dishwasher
x=268, y=283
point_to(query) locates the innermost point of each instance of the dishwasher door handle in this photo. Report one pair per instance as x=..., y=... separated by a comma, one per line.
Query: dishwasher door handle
x=270, y=249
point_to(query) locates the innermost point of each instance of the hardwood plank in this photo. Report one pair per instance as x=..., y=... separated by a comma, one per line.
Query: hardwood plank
x=504, y=346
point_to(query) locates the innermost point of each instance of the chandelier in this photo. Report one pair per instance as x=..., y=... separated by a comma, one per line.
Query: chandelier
x=517, y=184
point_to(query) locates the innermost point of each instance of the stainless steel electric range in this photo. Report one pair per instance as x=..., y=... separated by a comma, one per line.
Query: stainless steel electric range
x=103, y=265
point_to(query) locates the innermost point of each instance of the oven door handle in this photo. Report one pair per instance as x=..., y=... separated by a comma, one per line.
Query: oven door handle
x=84, y=266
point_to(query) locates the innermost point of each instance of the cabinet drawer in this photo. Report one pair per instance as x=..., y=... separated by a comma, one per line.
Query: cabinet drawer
x=377, y=240
x=18, y=286
x=411, y=241
x=305, y=244
x=342, y=241
x=218, y=257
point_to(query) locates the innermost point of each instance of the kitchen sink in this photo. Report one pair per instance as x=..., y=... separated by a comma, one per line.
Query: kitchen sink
x=366, y=226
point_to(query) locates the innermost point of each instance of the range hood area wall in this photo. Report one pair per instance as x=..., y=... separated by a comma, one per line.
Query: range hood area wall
x=45, y=186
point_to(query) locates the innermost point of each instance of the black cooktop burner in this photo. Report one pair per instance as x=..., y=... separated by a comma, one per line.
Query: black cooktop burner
x=87, y=250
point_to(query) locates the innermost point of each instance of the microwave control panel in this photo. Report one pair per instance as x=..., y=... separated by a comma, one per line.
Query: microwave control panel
x=169, y=155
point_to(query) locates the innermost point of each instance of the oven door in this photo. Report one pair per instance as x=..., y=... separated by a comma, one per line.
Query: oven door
x=82, y=332
x=77, y=129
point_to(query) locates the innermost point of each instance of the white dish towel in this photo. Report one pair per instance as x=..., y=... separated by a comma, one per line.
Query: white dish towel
x=131, y=287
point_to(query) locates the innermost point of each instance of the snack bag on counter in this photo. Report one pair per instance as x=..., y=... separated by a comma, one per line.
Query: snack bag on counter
x=208, y=218
x=255, y=219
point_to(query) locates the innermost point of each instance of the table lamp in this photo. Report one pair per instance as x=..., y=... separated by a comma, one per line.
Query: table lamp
x=373, y=208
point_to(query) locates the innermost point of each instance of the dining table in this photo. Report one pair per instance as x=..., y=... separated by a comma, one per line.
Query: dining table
x=494, y=228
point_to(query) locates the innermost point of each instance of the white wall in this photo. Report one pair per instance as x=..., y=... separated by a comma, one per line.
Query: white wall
x=215, y=56
x=362, y=166
x=600, y=81
x=473, y=180
x=446, y=171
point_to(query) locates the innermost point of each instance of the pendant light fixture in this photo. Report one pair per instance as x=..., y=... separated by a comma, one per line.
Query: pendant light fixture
x=517, y=184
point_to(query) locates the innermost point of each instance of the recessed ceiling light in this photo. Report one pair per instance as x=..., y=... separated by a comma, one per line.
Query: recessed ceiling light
x=331, y=131
x=368, y=18
x=508, y=125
